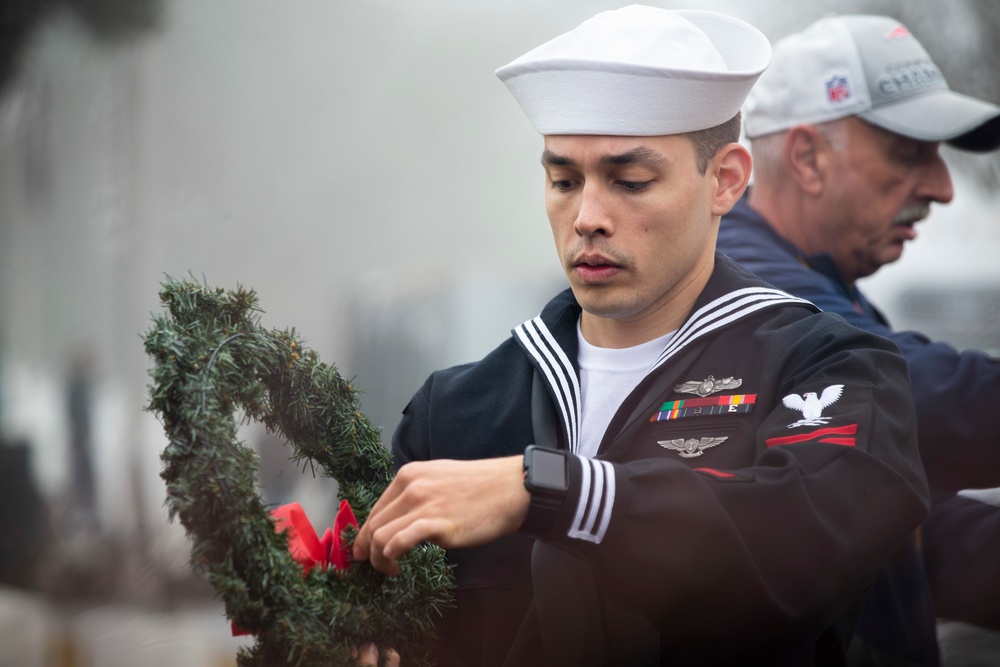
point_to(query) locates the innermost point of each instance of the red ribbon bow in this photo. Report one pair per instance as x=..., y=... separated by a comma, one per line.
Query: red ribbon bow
x=306, y=547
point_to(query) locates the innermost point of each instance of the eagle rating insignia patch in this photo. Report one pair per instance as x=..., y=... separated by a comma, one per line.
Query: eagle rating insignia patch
x=811, y=406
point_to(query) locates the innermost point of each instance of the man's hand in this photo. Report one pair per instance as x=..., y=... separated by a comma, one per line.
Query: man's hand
x=368, y=656
x=450, y=503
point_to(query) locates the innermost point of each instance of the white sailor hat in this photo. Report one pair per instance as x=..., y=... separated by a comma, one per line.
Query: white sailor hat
x=639, y=71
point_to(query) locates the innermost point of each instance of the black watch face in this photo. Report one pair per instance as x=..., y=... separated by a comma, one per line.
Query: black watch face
x=548, y=470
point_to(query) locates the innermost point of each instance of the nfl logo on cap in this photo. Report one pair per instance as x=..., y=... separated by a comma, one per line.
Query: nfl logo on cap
x=838, y=90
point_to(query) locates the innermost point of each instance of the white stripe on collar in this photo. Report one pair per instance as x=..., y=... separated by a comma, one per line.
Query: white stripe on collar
x=558, y=371
x=722, y=311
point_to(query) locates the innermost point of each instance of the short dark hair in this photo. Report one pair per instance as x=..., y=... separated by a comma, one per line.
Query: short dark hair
x=708, y=142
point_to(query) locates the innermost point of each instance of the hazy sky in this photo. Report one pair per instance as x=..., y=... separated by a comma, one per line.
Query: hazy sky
x=320, y=152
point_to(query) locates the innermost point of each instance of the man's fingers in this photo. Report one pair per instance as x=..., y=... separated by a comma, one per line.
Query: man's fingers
x=367, y=656
x=397, y=537
x=376, y=518
x=366, y=546
x=385, y=509
x=403, y=534
x=362, y=543
x=372, y=550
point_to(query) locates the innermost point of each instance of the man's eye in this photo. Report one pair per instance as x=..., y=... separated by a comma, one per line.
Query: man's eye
x=913, y=153
x=634, y=186
x=562, y=185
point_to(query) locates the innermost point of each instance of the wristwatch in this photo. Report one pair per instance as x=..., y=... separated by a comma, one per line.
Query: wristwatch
x=546, y=477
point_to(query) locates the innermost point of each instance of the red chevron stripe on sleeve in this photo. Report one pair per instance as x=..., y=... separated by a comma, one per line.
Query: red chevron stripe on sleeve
x=822, y=435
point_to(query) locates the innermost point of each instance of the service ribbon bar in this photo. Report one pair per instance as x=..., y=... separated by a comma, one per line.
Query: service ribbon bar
x=703, y=407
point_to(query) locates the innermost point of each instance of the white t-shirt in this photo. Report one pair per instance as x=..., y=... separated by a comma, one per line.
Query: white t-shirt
x=607, y=377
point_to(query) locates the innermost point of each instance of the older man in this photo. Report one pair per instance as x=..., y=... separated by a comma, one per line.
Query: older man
x=674, y=462
x=845, y=129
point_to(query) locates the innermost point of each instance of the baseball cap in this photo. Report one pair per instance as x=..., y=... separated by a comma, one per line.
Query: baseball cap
x=871, y=67
x=639, y=71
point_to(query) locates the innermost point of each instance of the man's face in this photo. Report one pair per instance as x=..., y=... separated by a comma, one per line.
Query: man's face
x=881, y=185
x=632, y=221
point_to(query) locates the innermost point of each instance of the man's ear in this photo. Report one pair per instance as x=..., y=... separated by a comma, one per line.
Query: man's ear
x=805, y=158
x=732, y=173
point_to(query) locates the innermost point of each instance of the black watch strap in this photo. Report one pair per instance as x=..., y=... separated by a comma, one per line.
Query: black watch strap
x=546, y=477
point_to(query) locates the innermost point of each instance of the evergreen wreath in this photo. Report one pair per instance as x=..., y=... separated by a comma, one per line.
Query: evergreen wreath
x=211, y=358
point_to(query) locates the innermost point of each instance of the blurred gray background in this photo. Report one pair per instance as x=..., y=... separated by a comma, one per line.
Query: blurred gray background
x=358, y=165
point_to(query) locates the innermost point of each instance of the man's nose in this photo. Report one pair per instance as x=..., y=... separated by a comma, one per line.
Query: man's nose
x=935, y=181
x=593, y=216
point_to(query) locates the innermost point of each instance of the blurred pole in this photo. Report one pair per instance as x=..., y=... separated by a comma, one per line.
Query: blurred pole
x=80, y=406
x=132, y=317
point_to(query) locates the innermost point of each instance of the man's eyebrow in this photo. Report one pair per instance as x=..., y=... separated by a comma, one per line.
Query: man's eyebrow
x=554, y=159
x=639, y=155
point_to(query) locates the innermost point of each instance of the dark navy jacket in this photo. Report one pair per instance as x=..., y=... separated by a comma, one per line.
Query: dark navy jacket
x=959, y=436
x=719, y=523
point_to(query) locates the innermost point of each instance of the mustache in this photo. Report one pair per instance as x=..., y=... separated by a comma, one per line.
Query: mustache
x=912, y=213
x=576, y=253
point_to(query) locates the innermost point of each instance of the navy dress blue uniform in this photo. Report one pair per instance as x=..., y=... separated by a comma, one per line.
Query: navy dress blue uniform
x=743, y=498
